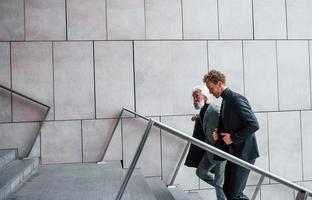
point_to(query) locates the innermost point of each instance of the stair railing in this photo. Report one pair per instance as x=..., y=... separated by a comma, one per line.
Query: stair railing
x=303, y=192
x=40, y=122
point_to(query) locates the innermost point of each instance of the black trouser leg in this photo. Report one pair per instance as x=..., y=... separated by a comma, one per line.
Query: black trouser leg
x=235, y=181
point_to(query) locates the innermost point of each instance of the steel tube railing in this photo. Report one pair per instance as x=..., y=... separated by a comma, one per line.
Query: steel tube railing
x=40, y=123
x=230, y=157
x=302, y=192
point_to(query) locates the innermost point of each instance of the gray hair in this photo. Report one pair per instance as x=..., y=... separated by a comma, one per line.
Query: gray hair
x=204, y=91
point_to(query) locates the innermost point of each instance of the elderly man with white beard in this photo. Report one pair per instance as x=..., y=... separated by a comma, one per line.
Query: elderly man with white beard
x=205, y=123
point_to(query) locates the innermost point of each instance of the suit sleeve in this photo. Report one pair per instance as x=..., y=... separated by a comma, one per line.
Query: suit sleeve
x=249, y=120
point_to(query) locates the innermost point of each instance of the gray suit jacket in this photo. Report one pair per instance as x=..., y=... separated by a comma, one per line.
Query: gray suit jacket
x=210, y=122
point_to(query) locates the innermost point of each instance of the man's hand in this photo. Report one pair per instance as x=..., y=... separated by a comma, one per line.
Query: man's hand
x=194, y=118
x=227, y=138
x=215, y=135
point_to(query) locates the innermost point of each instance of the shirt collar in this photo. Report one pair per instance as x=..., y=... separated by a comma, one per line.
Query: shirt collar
x=225, y=93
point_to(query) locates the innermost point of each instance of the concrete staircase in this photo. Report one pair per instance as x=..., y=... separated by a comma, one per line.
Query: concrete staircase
x=92, y=181
x=13, y=172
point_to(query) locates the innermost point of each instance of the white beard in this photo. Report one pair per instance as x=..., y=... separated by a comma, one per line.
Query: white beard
x=199, y=104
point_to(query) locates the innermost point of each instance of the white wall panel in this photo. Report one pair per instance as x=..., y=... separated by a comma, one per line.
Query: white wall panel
x=95, y=135
x=226, y=56
x=113, y=77
x=163, y=19
x=306, y=117
x=45, y=20
x=270, y=19
x=235, y=19
x=293, y=75
x=276, y=191
x=263, y=146
x=200, y=19
x=125, y=19
x=18, y=135
x=32, y=75
x=73, y=80
x=61, y=142
x=172, y=148
x=12, y=20
x=285, y=145
x=166, y=73
x=150, y=159
x=260, y=74
x=86, y=19
x=299, y=19
x=5, y=70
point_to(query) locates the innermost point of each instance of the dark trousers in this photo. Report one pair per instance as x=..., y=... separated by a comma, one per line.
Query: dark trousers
x=235, y=179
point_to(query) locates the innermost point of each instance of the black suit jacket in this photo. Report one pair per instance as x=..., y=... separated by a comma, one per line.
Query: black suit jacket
x=241, y=123
x=195, y=153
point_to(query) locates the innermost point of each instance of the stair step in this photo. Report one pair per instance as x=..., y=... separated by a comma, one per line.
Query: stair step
x=181, y=195
x=138, y=188
x=194, y=196
x=6, y=156
x=73, y=181
x=159, y=188
x=83, y=181
x=15, y=173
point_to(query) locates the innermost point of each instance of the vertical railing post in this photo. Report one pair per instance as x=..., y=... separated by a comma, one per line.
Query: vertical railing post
x=175, y=173
x=256, y=192
x=38, y=133
x=135, y=160
x=111, y=136
x=302, y=195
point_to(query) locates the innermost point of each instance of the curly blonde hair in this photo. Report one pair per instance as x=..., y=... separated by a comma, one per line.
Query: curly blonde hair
x=214, y=76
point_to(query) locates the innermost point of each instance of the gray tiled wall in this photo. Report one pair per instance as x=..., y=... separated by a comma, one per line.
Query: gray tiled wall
x=73, y=80
x=45, y=20
x=270, y=19
x=32, y=68
x=86, y=20
x=87, y=59
x=12, y=20
x=260, y=74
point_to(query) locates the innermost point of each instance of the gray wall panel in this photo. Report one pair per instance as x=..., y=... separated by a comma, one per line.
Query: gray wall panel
x=226, y=56
x=32, y=76
x=18, y=135
x=150, y=159
x=299, y=19
x=306, y=117
x=163, y=19
x=73, y=80
x=235, y=19
x=285, y=145
x=166, y=73
x=61, y=142
x=45, y=20
x=12, y=20
x=86, y=19
x=5, y=70
x=277, y=191
x=200, y=19
x=125, y=19
x=293, y=71
x=113, y=77
x=172, y=148
x=263, y=145
x=5, y=63
x=95, y=139
x=270, y=19
x=260, y=74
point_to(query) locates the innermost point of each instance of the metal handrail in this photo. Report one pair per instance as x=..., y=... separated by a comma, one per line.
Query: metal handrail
x=302, y=191
x=175, y=172
x=40, y=122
